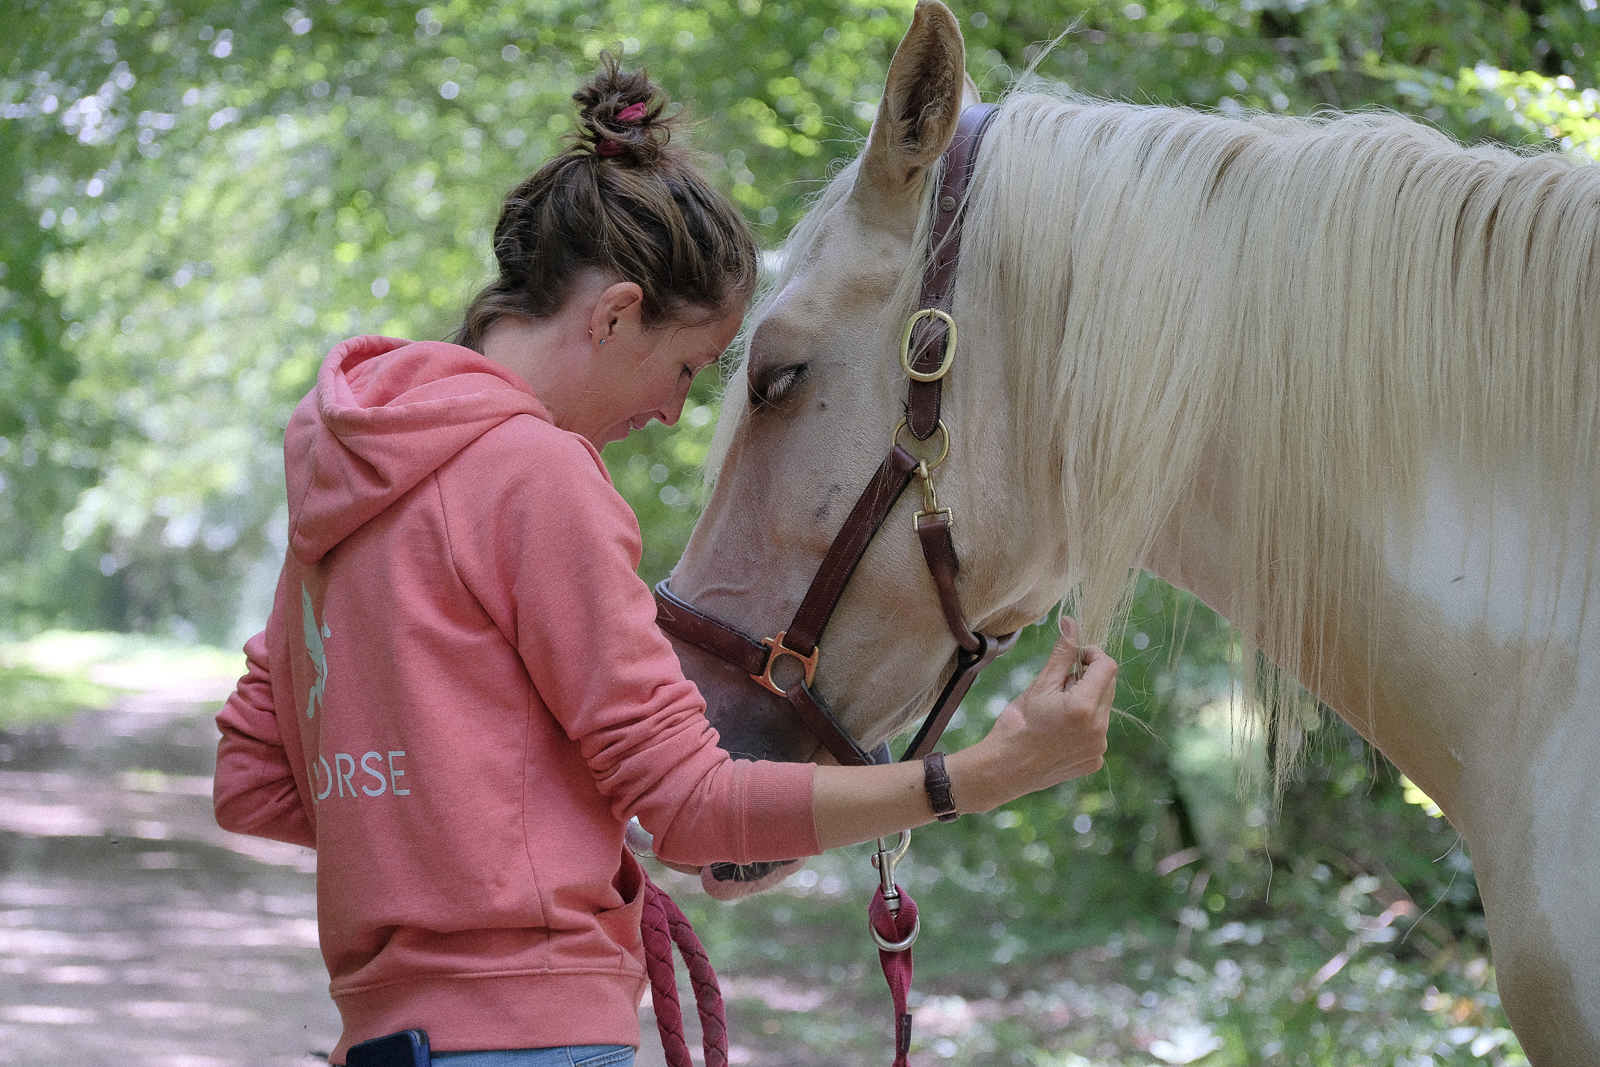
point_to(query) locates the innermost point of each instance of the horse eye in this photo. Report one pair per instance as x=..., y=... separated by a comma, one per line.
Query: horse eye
x=772, y=387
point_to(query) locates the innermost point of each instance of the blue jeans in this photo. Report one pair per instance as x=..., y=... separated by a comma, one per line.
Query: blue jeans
x=566, y=1056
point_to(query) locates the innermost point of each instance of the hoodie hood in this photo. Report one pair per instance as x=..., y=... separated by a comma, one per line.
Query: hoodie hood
x=384, y=415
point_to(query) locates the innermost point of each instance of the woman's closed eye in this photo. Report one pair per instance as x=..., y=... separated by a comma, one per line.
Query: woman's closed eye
x=692, y=371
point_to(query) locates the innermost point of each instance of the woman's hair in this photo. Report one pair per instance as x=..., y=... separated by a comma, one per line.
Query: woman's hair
x=621, y=200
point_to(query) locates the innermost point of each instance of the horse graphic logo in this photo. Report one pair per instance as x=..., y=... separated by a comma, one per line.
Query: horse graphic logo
x=319, y=656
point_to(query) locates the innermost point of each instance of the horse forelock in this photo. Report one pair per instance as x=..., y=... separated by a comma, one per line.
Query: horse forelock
x=1326, y=303
x=798, y=254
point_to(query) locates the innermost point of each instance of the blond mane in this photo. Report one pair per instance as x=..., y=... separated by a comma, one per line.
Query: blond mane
x=1339, y=298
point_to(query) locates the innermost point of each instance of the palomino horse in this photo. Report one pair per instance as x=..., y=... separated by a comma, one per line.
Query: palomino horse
x=1338, y=377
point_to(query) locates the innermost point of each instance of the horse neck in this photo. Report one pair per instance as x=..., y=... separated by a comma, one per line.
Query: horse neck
x=1300, y=313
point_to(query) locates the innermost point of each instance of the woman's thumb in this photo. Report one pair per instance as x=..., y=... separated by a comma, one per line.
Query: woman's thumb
x=1062, y=666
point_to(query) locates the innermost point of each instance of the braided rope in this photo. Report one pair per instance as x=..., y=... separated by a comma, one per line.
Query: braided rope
x=662, y=925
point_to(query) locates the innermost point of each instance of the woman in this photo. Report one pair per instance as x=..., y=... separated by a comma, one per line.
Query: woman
x=461, y=696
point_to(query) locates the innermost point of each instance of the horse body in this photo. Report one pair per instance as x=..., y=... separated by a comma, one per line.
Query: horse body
x=1495, y=661
x=1490, y=713
x=1340, y=379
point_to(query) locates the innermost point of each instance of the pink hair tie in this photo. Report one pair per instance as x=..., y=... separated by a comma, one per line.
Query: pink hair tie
x=630, y=114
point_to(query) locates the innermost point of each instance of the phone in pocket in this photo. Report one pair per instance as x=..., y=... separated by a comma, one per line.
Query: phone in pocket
x=408, y=1048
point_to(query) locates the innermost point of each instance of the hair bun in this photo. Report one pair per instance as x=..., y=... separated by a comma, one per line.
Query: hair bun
x=620, y=115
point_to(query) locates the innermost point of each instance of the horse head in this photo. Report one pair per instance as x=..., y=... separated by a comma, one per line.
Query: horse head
x=810, y=414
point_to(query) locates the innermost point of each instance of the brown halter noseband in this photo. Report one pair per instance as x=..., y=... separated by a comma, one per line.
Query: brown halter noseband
x=927, y=351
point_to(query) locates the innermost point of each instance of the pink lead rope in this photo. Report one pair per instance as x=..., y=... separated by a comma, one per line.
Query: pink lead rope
x=663, y=925
x=896, y=927
x=893, y=916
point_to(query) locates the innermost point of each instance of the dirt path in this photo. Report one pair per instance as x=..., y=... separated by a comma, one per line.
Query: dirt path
x=133, y=930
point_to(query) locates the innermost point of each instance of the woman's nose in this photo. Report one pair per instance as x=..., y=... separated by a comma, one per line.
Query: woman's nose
x=669, y=415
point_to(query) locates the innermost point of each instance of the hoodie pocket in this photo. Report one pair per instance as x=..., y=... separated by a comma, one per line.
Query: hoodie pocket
x=621, y=924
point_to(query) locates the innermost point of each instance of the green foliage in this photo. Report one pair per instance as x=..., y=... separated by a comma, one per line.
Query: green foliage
x=1296, y=56
x=1547, y=108
x=31, y=697
x=204, y=198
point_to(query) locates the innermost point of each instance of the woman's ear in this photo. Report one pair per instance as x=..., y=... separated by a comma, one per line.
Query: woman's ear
x=618, y=311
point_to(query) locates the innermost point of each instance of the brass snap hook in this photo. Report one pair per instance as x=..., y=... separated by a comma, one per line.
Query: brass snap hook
x=930, y=501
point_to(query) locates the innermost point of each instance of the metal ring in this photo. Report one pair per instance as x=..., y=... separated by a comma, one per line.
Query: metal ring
x=896, y=946
x=894, y=439
x=949, y=346
x=809, y=663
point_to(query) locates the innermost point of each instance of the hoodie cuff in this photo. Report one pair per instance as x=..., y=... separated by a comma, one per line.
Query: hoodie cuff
x=779, y=823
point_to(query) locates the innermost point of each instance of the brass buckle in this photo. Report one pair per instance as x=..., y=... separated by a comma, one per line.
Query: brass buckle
x=781, y=649
x=949, y=346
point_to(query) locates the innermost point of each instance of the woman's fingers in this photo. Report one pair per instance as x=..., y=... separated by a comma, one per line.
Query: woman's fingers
x=1097, y=666
x=1062, y=666
x=1055, y=730
x=1073, y=680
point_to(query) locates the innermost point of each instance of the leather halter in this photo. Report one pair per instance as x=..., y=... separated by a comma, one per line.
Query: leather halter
x=927, y=352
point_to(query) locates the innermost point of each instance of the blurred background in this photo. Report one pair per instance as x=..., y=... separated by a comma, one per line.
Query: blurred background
x=200, y=199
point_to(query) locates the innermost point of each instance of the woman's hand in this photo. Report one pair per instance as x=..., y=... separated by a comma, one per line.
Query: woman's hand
x=1054, y=731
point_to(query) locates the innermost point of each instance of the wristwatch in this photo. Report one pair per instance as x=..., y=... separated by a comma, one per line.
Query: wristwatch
x=936, y=780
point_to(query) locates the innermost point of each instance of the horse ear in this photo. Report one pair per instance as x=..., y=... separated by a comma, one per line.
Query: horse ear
x=921, y=105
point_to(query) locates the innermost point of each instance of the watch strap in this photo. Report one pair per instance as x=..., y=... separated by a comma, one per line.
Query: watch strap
x=936, y=780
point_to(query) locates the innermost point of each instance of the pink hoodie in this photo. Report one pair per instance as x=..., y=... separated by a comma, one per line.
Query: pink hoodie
x=460, y=698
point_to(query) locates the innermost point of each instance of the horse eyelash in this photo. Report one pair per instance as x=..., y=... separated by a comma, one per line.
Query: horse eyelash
x=777, y=385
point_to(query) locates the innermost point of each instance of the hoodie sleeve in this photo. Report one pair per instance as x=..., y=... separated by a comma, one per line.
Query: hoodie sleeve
x=551, y=551
x=254, y=790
